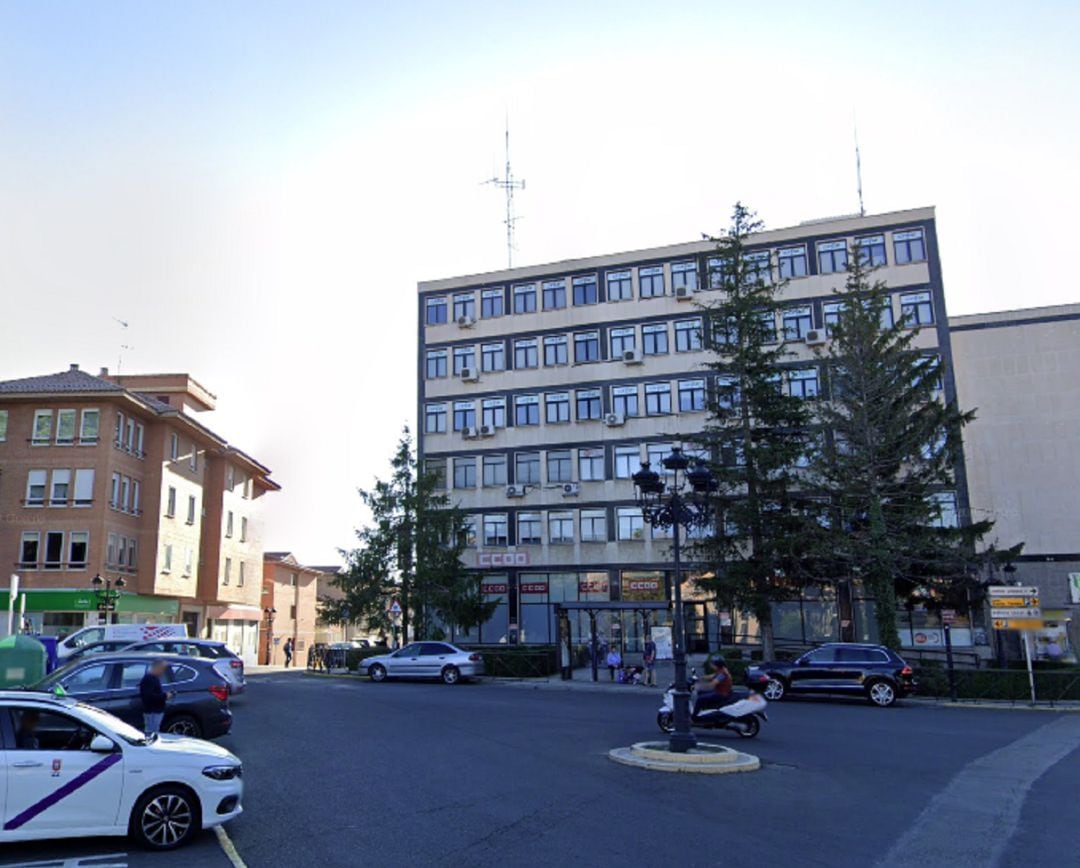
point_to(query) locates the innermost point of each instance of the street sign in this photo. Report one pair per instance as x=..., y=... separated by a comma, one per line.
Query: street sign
x=395, y=608
x=1018, y=623
x=948, y=615
x=1009, y=602
x=106, y=606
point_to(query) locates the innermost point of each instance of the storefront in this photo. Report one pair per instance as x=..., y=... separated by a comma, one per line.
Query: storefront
x=238, y=628
x=53, y=612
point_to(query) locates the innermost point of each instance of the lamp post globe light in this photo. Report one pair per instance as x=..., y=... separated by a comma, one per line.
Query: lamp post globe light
x=107, y=592
x=680, y=501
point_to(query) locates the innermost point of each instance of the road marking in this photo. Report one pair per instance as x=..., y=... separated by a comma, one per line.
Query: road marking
x=985, y=800
x=76, y=862
x=231, y=853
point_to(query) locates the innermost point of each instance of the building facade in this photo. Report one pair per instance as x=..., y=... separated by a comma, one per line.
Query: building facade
x=114, y=476
x=543, y=388
x=290, y=594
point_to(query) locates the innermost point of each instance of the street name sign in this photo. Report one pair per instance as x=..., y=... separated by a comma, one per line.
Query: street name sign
x=1008, y=603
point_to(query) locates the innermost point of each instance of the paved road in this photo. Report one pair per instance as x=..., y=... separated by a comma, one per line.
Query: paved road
x=344, y=772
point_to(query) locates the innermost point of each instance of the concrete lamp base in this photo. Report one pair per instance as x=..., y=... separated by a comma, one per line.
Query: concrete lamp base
x=705, y=759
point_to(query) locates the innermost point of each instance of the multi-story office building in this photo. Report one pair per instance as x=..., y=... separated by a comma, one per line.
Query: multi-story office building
x=543, y=388
x=114, y=475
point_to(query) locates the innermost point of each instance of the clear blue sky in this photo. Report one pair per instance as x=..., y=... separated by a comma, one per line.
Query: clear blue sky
x=257, y=187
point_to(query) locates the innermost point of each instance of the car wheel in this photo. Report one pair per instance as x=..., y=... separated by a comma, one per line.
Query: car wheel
x=751, y=726
x=774, y=690
x=377, y=672
x=881, y=693
x=184, y=724
x=165, y=818
x=451, y=675
x=666, y=721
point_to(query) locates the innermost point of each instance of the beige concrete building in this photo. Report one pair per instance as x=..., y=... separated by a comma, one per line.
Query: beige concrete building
x=290, y=594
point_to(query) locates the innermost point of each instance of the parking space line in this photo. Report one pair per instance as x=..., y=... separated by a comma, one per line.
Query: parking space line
x=228, y=847
x=112, y=861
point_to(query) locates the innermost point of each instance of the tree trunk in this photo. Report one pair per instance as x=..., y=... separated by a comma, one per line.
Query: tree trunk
x=883, y=582
x=765, y=624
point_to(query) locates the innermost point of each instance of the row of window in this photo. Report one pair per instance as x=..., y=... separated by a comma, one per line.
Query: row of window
x=125, y=495
x=67, y=487
x=170, y=505
x=129, y=435
x=63, y=427
x=54, y=550
x=786, y=263
x=230, y=522
x=227, y=571
x=186, y=566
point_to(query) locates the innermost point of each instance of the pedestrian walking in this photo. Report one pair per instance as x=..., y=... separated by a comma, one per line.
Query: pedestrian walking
x=288, y=652
x=311, y=657
x=328, y=658
x=614, y=661
x=153, y=697
x=648, y=659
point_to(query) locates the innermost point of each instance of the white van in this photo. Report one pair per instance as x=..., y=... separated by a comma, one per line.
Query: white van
x=130, y=632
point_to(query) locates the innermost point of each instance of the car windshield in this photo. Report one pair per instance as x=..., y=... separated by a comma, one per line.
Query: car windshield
x=114, y=724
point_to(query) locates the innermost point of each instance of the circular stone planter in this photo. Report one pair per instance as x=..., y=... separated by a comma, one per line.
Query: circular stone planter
x=705, y=759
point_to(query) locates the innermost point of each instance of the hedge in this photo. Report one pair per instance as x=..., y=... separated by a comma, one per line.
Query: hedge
x=521, y=661
x=1010, y=685
x=353, y=656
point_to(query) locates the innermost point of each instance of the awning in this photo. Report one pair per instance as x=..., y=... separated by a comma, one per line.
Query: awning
x=234, y=613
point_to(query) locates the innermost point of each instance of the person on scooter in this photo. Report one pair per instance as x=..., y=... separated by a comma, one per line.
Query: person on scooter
x=718, y=691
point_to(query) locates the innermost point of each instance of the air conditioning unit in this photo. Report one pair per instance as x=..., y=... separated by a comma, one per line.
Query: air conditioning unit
x=470, y=375
x=631, y=357
x=470, y=433
x=815, y=337
x=570, y=489
x=614, y=420
x=515, y=491
x=487, y=430
x=683, y=293
x=466, y=322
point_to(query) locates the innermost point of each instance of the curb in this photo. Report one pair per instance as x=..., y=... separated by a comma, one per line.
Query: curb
x=705, y=759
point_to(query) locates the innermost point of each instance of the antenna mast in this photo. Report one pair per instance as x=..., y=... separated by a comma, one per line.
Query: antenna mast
x=509, y=184
x=858, y=169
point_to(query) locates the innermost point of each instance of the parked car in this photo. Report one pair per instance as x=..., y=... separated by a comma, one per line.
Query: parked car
x=74, y=770
x=106, y=647
x=103, y=632
x=111, y=683
x=424, y=660
x=226, y=661
x=848, y=669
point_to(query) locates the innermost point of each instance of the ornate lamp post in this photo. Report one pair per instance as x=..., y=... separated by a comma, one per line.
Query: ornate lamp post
x=269, y=611
x=683, y=501
x=107, y=592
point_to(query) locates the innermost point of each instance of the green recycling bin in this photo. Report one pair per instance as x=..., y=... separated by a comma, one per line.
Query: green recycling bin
x=22, y=661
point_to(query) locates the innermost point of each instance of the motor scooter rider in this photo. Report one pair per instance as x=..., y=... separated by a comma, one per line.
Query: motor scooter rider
x=718, y=691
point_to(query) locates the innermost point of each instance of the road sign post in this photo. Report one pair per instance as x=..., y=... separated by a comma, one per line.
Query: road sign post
x=1015, y=607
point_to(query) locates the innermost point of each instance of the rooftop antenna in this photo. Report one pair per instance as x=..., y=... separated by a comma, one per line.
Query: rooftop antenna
x=509, y=184
x=120, y=356
x=858, y=167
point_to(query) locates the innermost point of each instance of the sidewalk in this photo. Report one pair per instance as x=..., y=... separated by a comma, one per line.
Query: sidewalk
x=582, y=680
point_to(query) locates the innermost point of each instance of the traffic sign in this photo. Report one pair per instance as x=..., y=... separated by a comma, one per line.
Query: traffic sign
x=1018, y=623
x=1008, y=602
x=948, y=615
x=395, y=608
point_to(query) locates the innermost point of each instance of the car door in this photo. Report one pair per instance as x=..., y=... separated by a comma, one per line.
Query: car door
x=433, y=657
x=125, y=701
x=91, y=683
x=405, y=663
x=851, y=666
x=811, y=672
x=54, y=783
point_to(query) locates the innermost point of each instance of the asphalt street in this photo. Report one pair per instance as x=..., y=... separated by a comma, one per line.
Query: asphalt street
x=342, y=772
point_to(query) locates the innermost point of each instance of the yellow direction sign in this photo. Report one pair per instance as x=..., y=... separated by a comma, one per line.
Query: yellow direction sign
x=1018, y=623
x=1013, y=602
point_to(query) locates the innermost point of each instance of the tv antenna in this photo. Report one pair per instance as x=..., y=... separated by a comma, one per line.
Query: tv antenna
x=120, y=356
x=858, y=168
x=509, y=184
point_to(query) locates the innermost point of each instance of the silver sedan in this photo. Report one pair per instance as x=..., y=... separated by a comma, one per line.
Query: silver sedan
x=424, y=660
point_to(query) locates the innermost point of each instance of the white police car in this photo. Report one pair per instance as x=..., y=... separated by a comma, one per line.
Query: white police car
x=72, y=770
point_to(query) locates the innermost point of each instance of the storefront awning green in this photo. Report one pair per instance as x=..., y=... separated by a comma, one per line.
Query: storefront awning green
x=63, y=600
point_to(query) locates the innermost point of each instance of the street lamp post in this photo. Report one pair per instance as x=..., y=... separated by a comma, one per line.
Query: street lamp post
x=107, y=592
x=672, y=505
x=269, y=611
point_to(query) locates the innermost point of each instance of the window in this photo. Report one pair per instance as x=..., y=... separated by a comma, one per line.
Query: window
x=622, y=340
x=945, y=511
x=243, y=529
x=557, y=407
x=831, y=314
x=803, y=383
x=229, y=524
x=909, y=247
x=174, y=447
x=495, y=529
x=687, y=335
x=240, y=584
x=494, y=470
x=757, y=266
x=465, y=305
x=435, y=418
x=230, y=477
x=555, y=350
x=464, y=415
x=493, y=412
x=492, y=303
x=114, y=491
x=118, y=439
x=111, y=549
x=718, y=271
x=125, y=494
x=436, y=468
x=631, y=524
x=526, y=354
x=140, y=436
x=166, y=559
x=684, y=274
x=656, y=453
x=593, y=525
x=588, y=404
x=42, y=428
x=54, y=549
x=797, y=322
x=191, y=509
x=651, y=281
x=436, y=364
x=3, y=425
x=131, y=554
x=767, y=319
x=84, y=486
x=916, y=308
x=529, y=529
x=61, y=488
x=728, y=396
x=871, y=250
x=558, y=466
x=436, y=310
x=527, y=468
x=464, y=357
x=792, y=261
x=928, y=366
x=170, y=502
x=832, y=257
x=591, y=465
x=136, y=496
x=193, y=461
x=691, y=396
x=624, y=401
x=227, y=576
x=464, y=473
x=28, y=548
x=493, y=357
x=527, y=410
x=554, y=294
x=619, y=286
x=560, y=527
x=89, y=427
x=525, y=298
x=585, y=289
x=36, y=481
x=627, y=461
x=586, y=347
x=65, y=427
x=657, y=399
x=654, y=339
x=189, y=558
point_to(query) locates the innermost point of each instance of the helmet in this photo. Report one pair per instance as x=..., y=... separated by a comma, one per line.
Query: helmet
x=718, y=661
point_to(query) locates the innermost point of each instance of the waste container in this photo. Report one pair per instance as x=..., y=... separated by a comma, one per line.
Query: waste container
x=23, y=661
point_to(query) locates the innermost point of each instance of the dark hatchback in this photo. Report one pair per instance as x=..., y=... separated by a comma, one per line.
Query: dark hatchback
x=111, y=683
x=226, y=661
x=846, y=669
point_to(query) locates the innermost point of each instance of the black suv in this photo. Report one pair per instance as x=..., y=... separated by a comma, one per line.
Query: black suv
x=111, y=682
x=848, y=669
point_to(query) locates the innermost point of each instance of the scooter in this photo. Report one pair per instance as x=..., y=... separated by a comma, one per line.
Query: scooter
x=742, y=715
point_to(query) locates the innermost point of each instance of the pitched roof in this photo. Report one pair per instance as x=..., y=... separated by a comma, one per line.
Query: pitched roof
x=70, y=381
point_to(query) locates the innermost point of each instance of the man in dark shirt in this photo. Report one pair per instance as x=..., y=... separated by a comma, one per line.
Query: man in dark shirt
x=153, y=697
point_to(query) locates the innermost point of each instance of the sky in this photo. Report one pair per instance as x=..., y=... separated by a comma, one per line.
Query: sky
x=257, y=187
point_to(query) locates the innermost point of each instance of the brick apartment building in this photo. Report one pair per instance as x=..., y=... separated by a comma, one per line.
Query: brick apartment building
x=114, y=475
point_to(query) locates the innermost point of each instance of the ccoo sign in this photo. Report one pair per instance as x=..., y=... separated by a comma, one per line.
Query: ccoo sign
x=503, y=559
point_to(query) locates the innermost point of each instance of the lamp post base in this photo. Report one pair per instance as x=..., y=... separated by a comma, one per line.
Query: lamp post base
x=682, y=742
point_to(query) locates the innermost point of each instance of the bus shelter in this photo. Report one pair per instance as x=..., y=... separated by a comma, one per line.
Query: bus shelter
x=592, y=608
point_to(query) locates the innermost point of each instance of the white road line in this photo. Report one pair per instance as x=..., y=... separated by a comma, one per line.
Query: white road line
x=229, y=847
x=971, y=821
x=75, y=862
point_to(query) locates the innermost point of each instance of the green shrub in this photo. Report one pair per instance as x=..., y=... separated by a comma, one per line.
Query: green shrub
x=1007, y=685
x=520, y=661
x=353, y=656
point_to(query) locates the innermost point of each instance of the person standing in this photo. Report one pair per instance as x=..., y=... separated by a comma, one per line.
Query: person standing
x=648, y=658
x=288, y=652
x=153, y=696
